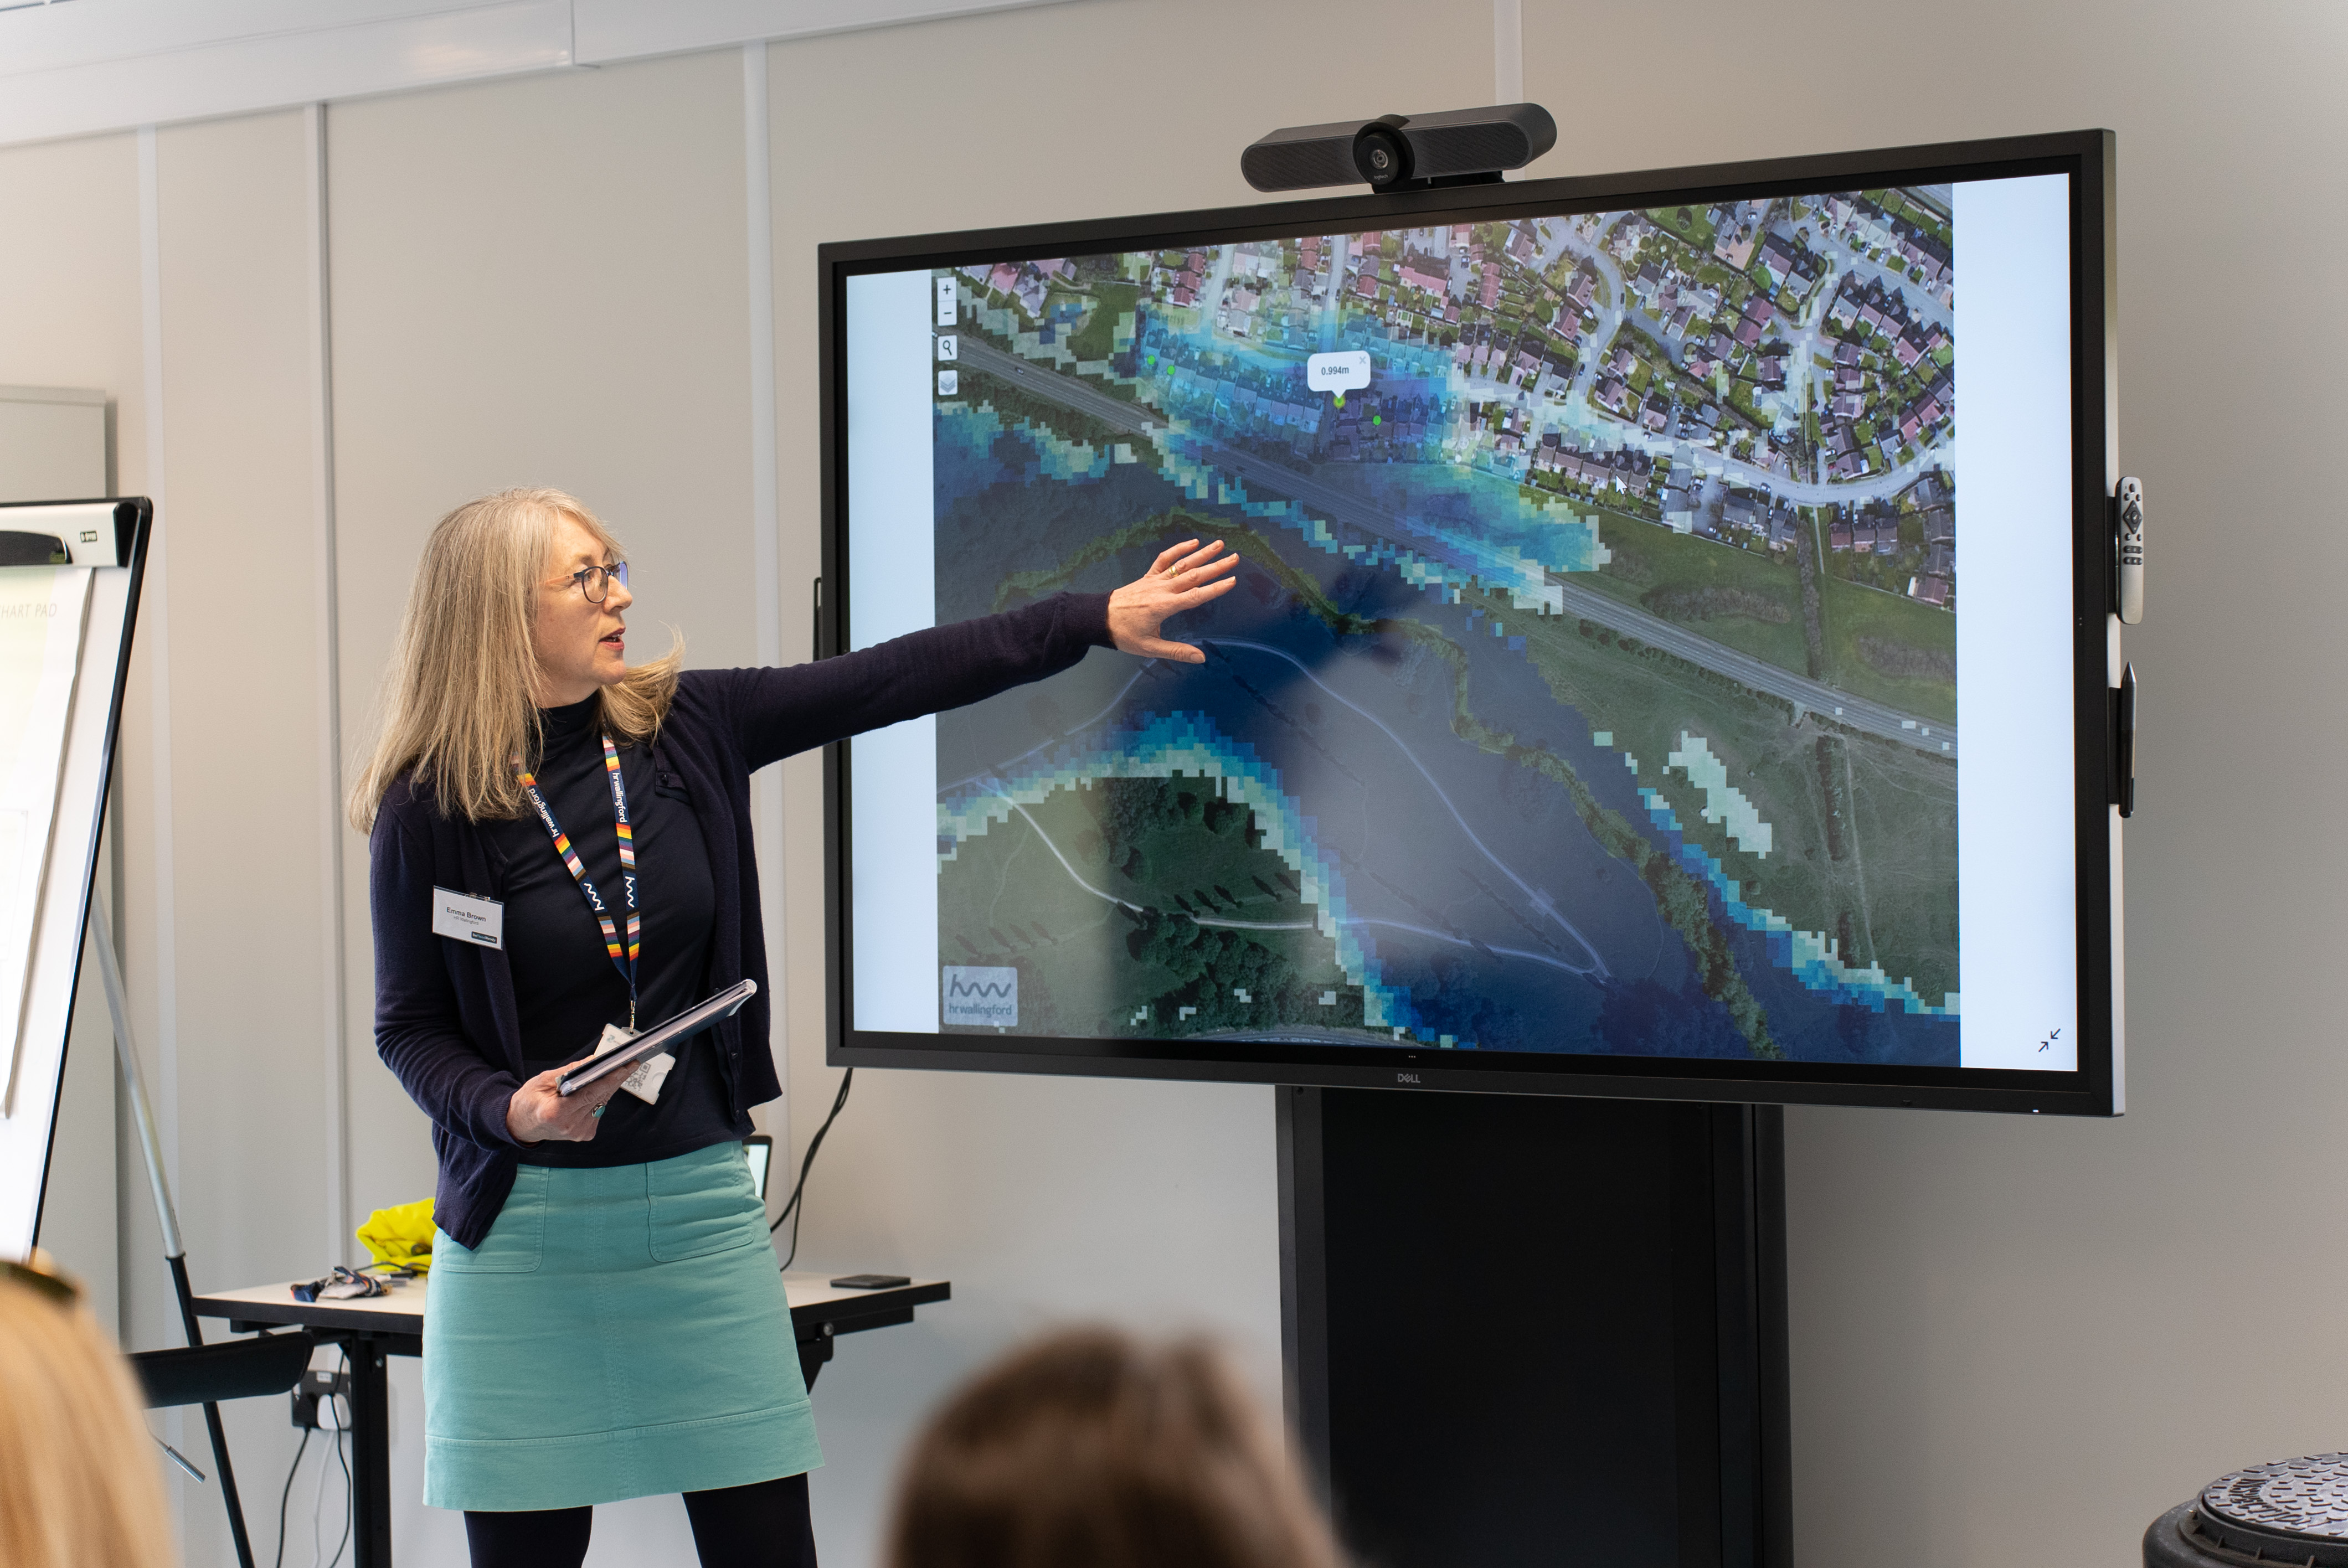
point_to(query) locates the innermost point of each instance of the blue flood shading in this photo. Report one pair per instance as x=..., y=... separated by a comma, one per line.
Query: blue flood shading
x=1808, y=955
x=1505, y=539
x=1544, y=536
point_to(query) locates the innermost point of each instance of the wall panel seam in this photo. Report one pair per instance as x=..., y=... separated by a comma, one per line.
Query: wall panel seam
x=1508, y=51
x=333, y=1042
x=154, y=608
x=766, y=535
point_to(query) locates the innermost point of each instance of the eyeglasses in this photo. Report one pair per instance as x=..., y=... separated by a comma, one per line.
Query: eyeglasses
x=595, y=581
x=347, y=1284
x=62, y=1289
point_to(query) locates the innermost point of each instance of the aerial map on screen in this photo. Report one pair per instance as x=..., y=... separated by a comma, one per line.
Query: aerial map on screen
x=1590, y=681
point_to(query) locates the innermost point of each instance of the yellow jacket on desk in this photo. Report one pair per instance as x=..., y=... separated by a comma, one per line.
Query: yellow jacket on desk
x=402, y=1235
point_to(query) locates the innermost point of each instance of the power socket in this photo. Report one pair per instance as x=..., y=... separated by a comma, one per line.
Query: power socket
x=313, y=1387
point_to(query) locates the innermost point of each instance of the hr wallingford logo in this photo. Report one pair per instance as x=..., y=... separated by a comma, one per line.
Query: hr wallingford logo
x=982, y=998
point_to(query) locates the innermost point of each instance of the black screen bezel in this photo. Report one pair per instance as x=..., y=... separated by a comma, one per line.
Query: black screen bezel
x=2095, y=1088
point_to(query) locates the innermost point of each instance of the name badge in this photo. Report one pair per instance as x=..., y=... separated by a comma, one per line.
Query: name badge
x=481, y=921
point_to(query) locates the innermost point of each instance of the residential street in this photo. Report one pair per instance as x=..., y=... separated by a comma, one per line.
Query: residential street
x=1264, y=476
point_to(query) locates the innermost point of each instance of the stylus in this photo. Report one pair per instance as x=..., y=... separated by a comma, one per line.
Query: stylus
x=2125, y=759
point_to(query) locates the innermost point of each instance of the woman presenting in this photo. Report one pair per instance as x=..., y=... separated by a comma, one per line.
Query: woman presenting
x=562, y=844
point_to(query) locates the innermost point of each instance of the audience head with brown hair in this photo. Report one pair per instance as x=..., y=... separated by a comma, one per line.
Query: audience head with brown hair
x=1091, y=1450
x=79, y=1483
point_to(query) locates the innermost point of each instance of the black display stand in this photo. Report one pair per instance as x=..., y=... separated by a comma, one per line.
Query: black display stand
x=1529, y=1330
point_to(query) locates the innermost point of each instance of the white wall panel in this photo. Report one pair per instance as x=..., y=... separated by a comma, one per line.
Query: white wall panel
x=630, y=29
x=71, y=70
x=52, y=444
x=69, y=272
x=248, y=984
x=48, y=38
x=273, y=69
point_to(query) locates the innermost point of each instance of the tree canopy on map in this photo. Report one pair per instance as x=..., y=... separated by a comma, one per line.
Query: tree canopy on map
x=1590, y=681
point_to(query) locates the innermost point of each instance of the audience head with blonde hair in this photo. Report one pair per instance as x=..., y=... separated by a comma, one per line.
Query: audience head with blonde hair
x=78, y=1483
x=1092, y=1449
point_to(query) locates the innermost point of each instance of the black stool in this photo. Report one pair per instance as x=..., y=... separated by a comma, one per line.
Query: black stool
x=2295, y=1511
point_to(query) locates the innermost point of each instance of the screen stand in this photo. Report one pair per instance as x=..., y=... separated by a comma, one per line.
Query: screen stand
x=1518, y=1328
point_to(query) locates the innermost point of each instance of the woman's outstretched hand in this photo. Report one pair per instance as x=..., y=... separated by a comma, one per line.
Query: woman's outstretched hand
x=541, y=1113
x=1183, y=578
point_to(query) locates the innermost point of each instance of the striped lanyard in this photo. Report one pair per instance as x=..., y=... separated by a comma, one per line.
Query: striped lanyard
x=622, y=959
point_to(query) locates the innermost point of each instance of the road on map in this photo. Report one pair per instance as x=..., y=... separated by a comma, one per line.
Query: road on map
x=1588, y=604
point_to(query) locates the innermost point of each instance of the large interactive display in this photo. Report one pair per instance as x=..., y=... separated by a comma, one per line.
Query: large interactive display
x=1668, y=657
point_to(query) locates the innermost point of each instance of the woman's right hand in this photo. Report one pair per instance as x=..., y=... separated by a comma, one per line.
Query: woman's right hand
x=541, y=1113
x=1183, y=578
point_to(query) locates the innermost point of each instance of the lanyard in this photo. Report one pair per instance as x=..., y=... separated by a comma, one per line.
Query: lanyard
x=626, y=964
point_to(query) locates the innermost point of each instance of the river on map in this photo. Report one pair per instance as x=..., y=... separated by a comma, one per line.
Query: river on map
x=1470, y=881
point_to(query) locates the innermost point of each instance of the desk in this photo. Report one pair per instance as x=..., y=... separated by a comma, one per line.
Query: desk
x=380, y=1327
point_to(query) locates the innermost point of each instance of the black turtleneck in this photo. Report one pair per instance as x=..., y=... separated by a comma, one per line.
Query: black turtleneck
x=566, y=987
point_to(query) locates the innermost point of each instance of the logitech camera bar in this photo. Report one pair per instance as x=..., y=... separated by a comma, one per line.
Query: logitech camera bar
x=1402, y=152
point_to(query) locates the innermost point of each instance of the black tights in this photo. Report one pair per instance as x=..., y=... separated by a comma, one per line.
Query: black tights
x=763, y=1525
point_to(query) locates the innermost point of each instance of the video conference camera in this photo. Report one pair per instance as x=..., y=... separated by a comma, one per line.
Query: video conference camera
x=1403, y=152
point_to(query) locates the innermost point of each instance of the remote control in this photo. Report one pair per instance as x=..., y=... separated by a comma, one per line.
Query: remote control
x=2131, y=544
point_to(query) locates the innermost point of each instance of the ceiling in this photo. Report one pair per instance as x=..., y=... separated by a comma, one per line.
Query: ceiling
x=75, y=67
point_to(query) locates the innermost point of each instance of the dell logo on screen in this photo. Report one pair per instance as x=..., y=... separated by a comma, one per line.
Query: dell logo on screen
x=1406, y=1078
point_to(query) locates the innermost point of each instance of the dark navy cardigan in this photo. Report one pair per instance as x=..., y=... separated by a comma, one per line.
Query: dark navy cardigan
x=445, y=1020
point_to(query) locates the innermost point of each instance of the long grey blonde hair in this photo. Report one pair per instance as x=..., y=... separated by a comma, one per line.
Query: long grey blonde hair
x=456, y=703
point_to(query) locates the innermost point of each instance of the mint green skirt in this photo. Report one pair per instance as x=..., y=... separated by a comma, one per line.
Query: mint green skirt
x=619, y=1333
